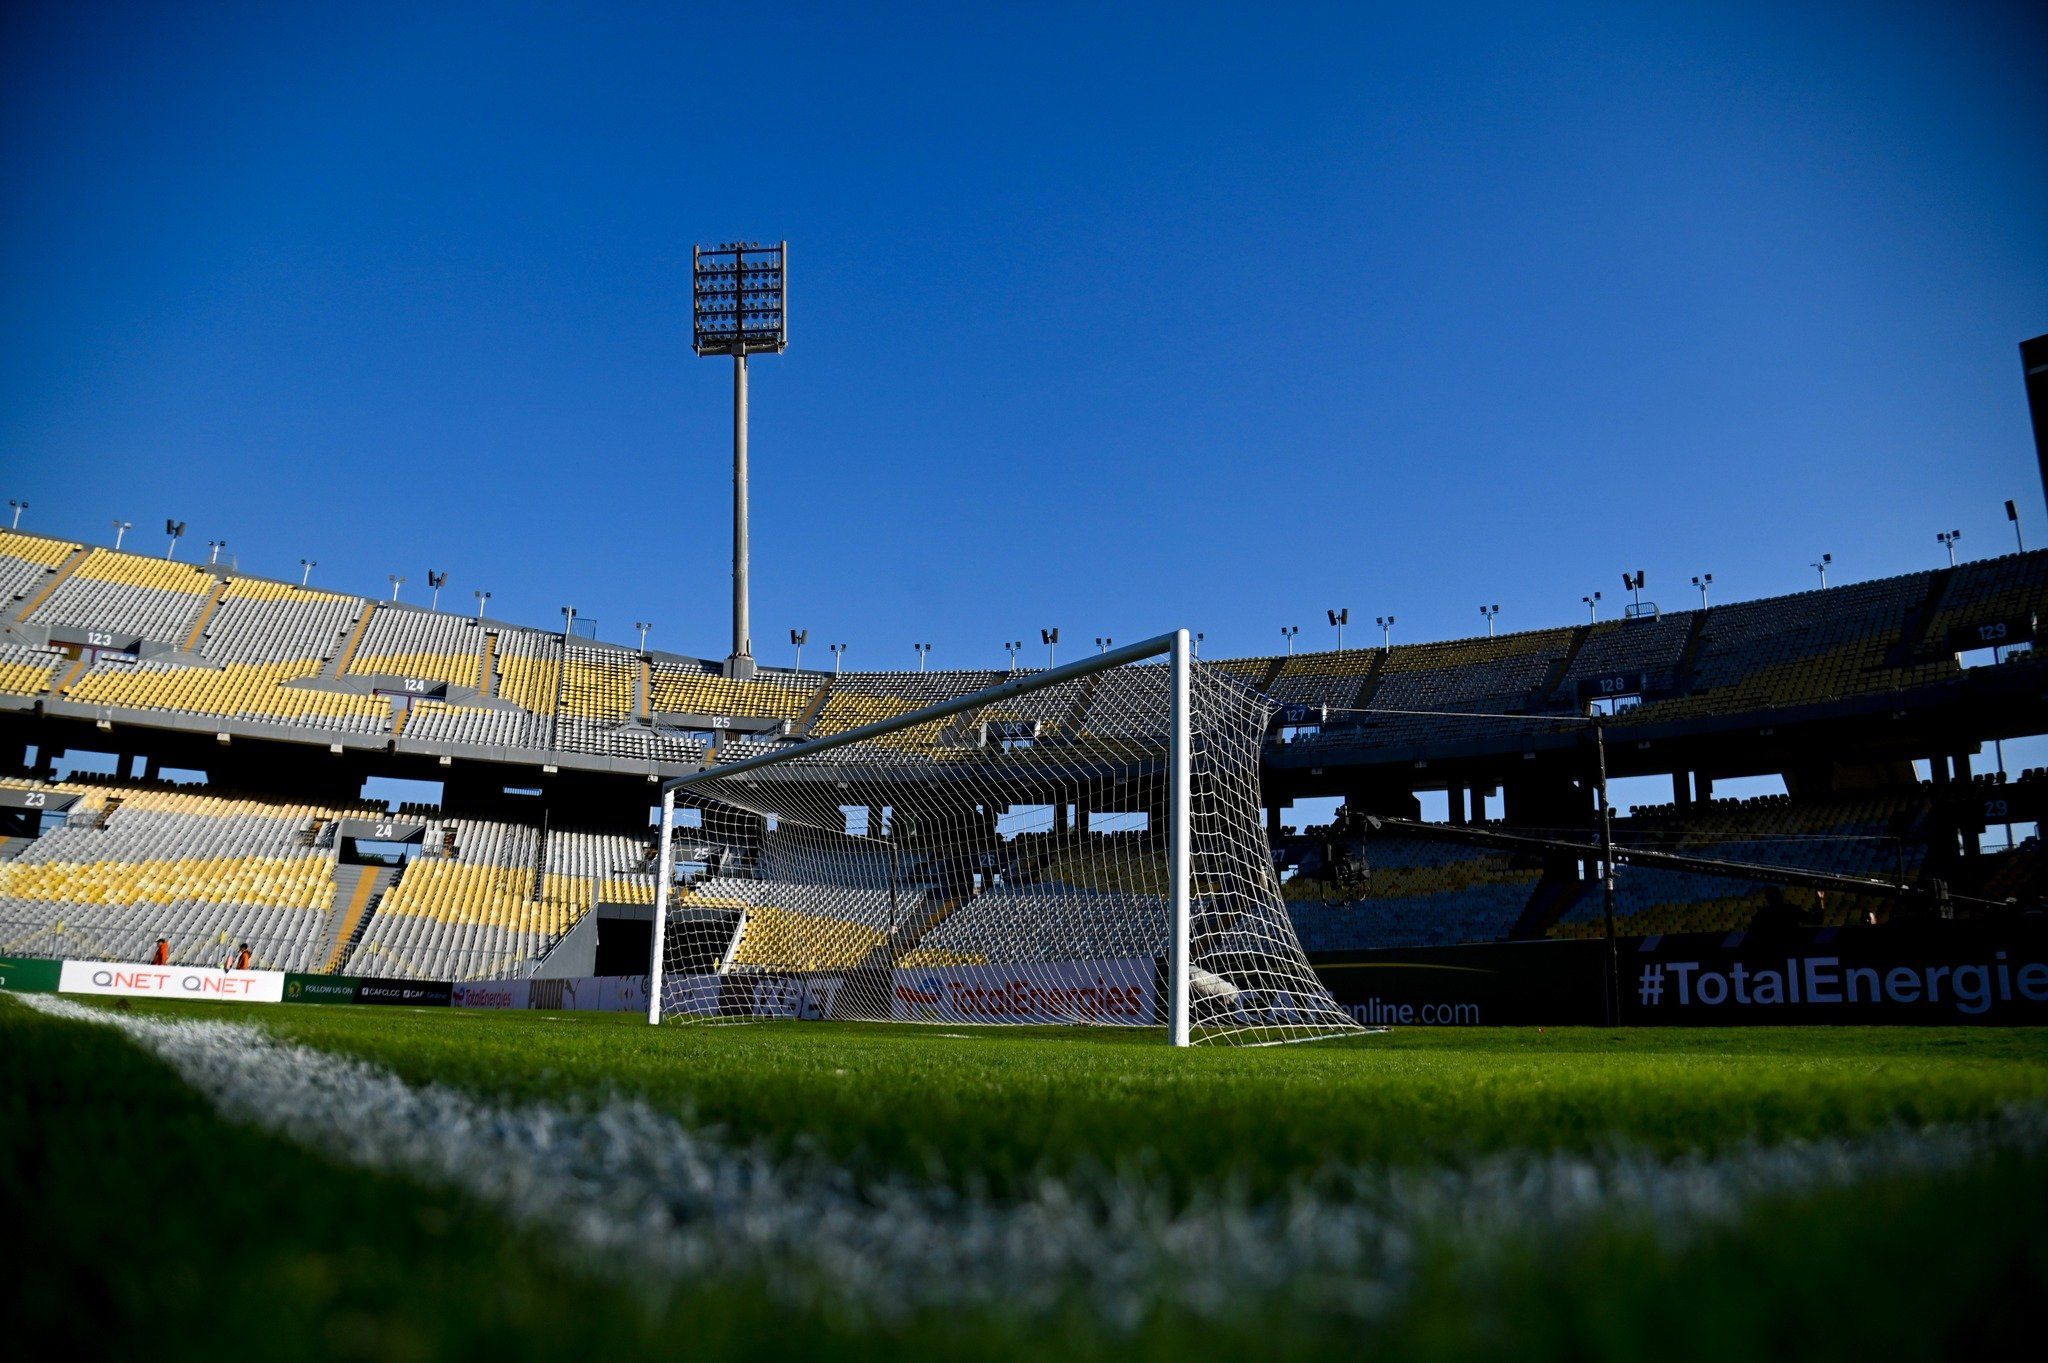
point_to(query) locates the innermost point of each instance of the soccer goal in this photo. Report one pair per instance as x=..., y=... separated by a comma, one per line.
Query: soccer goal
x=1080, y=845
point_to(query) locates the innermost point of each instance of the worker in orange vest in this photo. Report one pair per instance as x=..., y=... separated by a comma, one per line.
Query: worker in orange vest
x=162, y=954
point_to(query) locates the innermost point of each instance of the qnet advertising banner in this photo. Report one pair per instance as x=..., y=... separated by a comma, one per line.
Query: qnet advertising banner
x=1124, y=992
x=172, y=982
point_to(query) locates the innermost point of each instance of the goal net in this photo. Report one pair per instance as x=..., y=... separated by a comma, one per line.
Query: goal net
x=1078, y=846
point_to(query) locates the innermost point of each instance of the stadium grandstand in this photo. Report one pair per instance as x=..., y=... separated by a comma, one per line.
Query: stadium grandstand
x=272, y=703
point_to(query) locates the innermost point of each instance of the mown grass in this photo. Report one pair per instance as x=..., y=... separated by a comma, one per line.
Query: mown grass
x=145, y=1226
x=999, y=1107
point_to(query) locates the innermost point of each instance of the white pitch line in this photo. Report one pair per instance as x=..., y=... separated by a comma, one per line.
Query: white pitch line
x=638, y=1187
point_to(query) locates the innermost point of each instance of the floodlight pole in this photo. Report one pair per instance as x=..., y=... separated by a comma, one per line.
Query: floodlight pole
x=740, y=309
x=662, y=872
x=1607, y=871
x=742, y=637
x=1180, y=850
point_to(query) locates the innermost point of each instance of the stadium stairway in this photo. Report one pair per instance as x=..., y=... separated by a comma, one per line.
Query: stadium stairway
x=1919, y=622
x=1562, y=668
x=357, y=892
x=337, y=666
x=1688, y=657
x=1362, y=699
x=801, y=725
x=53, y=581
x=198, y=634
x=487, y=673
x=1551, y=900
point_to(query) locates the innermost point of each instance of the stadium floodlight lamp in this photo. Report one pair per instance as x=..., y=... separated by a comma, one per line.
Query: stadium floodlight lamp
x=1103, y=642
x=2012, y=513
x=1948, y=540
x=121, y=529
x=1386, y=624
x=838, y=652
x=482, y=596
x=1703, y=581
x=1013, y=645
x=1592, y=606
x=1199, y=636
x=396, y=580
x=1051, y=639
x=799, y=637
x=1339, y=618
x=923, y=650
x=1288, y=632
x=19, y=507
x=1821, y=566
x=643, y=626
x=437, y=581
x=740, y=308
x=1490, y=612
x=176, y=530
x=306, y=567
x=216, y=546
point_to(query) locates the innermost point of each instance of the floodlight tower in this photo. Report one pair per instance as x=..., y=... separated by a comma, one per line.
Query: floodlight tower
x=740, y=309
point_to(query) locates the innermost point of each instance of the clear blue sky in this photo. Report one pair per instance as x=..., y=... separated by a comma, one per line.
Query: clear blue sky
x=1115, y=321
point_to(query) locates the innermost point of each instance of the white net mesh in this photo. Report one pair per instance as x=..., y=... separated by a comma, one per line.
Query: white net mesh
x=1006, y=863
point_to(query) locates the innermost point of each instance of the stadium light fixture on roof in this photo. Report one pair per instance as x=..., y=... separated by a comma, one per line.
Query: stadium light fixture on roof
x=121, y=529
x=482, y=597
x=1013, y=645
x=2012, y=513
x=1338, y=619
x=396, y=580
x=739, y=308
x=216, y=546
x=1592, y=606
x=1821, y=566
x=1703, y=581
x=19, y=507
x=1051, y=639
x=306, y=567
x=1103, y=642
x=176, y=530
x=1490, y=612
x=1948, y=540
x=799, y=637
x=922, y=651
x=838, y=652
x=1287, y=632
x=437, y=581
x=1386, y=624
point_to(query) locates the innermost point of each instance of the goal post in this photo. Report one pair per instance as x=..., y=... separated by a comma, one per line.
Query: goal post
x=1081, y=845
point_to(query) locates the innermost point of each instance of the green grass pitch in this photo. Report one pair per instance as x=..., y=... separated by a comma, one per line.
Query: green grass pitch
x=138, y=1211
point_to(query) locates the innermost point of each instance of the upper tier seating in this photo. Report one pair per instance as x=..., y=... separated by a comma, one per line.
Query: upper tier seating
x=26, y=562
x=263, y=622
x=407, y=641
x=1858, y=641
x=154, y=598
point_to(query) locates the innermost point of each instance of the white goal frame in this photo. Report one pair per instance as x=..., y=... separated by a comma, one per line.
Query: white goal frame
x=1175, y=646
